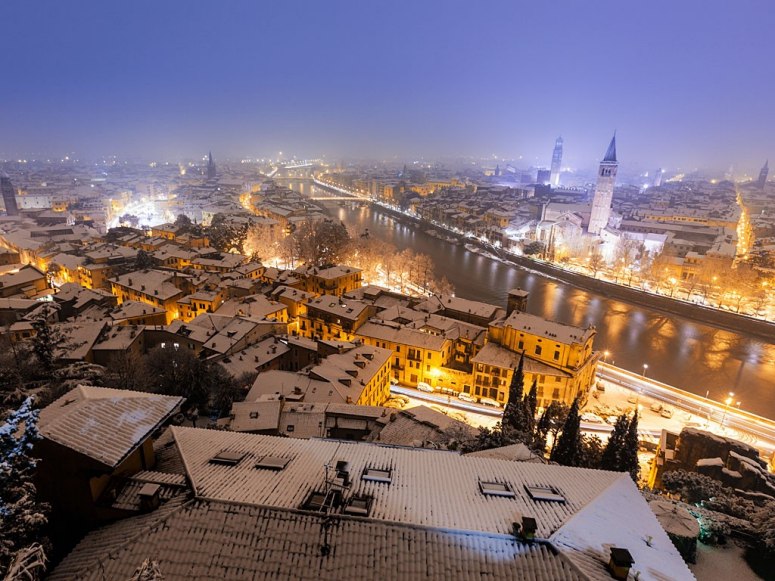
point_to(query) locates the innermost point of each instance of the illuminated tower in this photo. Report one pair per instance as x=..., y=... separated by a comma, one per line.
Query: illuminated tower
x=658, y=175
x=604, y=190
x=763, y=175
x=554, y=178
x=210, y=166
x=9, y=195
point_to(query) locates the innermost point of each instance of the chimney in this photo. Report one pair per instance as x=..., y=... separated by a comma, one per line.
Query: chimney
x=526, y=530
x=620, y=563
x=149, y=497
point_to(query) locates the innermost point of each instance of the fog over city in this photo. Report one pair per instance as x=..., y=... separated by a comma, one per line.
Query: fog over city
x=685, y=84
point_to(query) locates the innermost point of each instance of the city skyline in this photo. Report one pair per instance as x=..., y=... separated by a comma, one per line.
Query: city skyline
x=497, y=80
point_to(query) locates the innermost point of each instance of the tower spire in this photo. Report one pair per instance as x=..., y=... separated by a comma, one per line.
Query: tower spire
x=610, y=154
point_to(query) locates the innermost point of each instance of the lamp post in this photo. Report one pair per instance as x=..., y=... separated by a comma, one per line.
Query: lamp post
x=606, y=353
x=645, y=367
x=727, y=403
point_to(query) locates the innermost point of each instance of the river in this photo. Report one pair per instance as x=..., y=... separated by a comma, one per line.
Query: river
x=680, y=352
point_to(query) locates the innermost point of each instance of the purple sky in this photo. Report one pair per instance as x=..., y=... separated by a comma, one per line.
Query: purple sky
x=685, y=83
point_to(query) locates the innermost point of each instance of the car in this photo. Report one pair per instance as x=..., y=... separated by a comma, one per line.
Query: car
x=448, y=391
x=591, y=418
x=632, y=399
x=422, y=386
x=465, y=397
x=656, y=407
x=611, y=419
x=599, y=386
x=393, y=381
x=488, y=401
x=402, y=398
x=666, y=413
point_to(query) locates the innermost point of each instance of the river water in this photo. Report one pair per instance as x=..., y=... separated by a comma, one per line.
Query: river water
x=680, y=352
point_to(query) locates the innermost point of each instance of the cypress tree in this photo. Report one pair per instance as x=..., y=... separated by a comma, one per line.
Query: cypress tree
x=612, y=454
x=530, y=404
x=567, y=450
x=629, y=456
x=514, y=414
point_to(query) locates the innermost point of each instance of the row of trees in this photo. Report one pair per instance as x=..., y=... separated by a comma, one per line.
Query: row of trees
x=561, y=424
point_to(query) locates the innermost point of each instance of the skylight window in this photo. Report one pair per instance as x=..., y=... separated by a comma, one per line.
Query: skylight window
x=272, y=463
x=546, y=493
x=496, y=489
x=228, y=457
x=377, y=475
x=358, y=506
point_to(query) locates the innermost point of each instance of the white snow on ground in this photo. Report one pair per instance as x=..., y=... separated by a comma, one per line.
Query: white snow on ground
x=727, y=562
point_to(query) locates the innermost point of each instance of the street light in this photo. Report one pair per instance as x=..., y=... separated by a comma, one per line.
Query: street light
x=727, y=401
x=645, y=367
x=606, y=353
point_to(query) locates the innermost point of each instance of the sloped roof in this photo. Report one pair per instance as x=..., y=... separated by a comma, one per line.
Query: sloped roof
x=614, y=519
x=105, y=424
x=217, y=540
x=413, y=497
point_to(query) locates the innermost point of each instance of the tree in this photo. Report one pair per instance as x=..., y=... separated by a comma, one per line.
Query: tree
x=568, y=448
x=183, y=223
x=530, y=408
x=22, y=516
x=321, y=243
x=46, y=339
x=692, y=487
x=550, y=423
x=144, y=261
x=514, y=417
x=590, y=452
x=533, y=248
x=612, y=454
x=596, y=261
x=629, y=458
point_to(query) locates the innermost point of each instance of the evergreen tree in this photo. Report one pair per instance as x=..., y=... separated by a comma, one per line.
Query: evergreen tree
x=629, y=457
x=46, y=340
x=514, y=414
x=21, y=515
x=530, y=408
x=612, y=455
x=568, y=447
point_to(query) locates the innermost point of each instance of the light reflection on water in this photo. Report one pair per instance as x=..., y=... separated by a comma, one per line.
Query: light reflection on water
x=680, y=352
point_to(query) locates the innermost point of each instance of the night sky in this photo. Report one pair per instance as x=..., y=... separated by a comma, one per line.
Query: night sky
x=685, y=83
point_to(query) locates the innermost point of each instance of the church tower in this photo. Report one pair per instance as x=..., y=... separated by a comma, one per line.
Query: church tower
x=210, y=166
x=763, y=175
x=554, y=176
x=9, y=195
x=604, y=190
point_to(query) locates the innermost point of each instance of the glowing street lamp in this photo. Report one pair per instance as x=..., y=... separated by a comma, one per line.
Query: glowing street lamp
x=728, y=402
x=606, y=353
x=645, y=367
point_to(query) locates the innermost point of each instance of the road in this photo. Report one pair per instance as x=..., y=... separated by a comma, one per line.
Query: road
x=720, y=418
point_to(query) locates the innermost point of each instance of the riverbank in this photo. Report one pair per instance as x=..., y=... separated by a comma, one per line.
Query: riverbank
x=706, y=315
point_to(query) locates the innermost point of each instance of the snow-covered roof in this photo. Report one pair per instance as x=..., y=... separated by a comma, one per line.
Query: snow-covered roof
x=105, y=424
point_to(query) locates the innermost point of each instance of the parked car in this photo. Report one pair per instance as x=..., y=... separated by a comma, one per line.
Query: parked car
x=488, y=401
x=666, y=413
x=632, y=399
x=393, y=381
x=656, y=407
x=465, y=397
x=599, y=386
x=591, y=418
x=422, y=386
x=611, y=419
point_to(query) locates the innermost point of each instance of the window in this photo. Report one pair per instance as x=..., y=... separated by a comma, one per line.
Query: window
x=272, y=462
x=358, y=505
x=290, y=428
x=377, y=475
x=318, y=501
x=538, y=349
x=496, y=489
x=547, y=493
x=521, y=345
x=556, y=355
x=253, y=415
x=228, y=457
